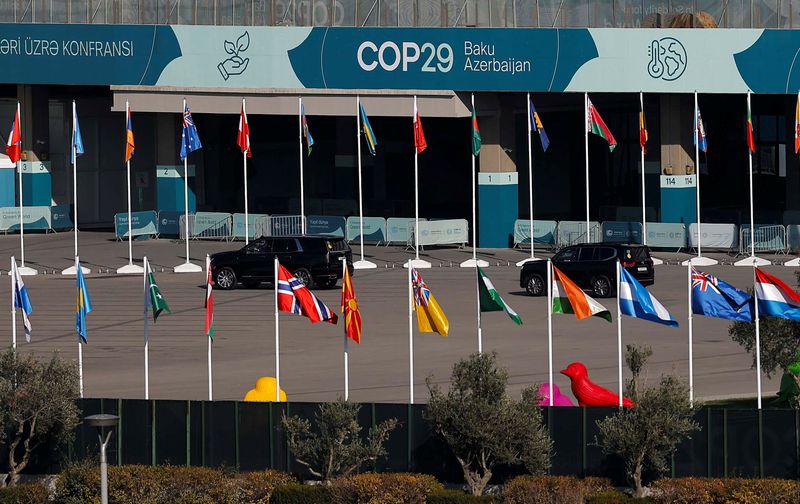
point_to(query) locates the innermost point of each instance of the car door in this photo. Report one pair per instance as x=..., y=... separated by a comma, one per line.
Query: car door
x=566, y=261
x=586, y=267
x=255, y=259
x=286, y=249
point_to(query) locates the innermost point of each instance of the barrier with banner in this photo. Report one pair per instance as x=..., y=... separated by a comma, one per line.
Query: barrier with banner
x=169, y=222
x=442, y=232
x=398, y=229
x=768, y=238
x=574, y=232
x=142, y=224
x=238, y=224
x=326, y=224
x=621, y=232
x=715, y=236
x=374, y=229
x=666, y=235
x=210, y=225
x=34, y=218
x=544, y=232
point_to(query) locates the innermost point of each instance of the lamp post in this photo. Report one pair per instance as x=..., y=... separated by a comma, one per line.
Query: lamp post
x=102, y=422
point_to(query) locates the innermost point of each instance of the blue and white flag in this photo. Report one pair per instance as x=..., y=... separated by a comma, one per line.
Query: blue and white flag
x=699, y=138
x=77, y=140
x=190, y=139
x=711, y=297
x=21, y=299
x=635, y=301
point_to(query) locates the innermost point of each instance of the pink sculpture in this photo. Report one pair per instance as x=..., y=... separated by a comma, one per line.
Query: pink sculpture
x=559, y=399
x=589, y=393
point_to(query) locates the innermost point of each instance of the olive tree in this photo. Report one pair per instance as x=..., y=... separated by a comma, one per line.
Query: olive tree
x=483, y=426
x=37, y=404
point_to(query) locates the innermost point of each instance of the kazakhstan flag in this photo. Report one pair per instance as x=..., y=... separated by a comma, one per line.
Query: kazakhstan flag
x=83, y=304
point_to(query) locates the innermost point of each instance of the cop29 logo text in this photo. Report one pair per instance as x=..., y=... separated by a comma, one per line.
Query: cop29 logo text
x=667, y=59
x=390, y=56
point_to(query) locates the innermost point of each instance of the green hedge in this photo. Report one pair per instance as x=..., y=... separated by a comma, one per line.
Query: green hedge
x=301, y=494
x=24, y=494
x=460, y=497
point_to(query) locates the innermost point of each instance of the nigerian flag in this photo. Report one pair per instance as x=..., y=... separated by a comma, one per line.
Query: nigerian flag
x=490, y=299
x=157, y=301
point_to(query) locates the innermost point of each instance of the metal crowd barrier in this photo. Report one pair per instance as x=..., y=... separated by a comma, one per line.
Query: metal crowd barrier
x=574, y=232
x=279, y=225
x=207, y=225
x=770, y=238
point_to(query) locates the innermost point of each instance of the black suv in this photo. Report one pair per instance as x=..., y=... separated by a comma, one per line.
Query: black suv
x=592, y=266
x=312, y=260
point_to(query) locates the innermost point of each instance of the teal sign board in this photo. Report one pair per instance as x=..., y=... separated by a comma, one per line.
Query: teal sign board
x=142, y=224
x=486, y=59
x=326, y=224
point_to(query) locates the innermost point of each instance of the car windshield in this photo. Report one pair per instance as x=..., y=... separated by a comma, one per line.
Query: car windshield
x=570, y=254
x=257, y=247
x=337, y=245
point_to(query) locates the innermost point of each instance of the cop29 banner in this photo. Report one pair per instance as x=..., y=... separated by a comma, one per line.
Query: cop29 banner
x=460, y=59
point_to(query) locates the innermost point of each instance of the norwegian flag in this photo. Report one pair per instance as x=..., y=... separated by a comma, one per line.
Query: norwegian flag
x=243, y=138
x=294, y=297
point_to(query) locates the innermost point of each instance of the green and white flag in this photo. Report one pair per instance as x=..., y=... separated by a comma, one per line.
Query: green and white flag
x=157, y=302
x=490, y=299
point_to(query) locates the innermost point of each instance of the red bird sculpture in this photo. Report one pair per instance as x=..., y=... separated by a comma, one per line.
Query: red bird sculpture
x=589, y=393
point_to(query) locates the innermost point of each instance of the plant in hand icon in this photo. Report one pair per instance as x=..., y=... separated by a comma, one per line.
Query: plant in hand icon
x=235, y=65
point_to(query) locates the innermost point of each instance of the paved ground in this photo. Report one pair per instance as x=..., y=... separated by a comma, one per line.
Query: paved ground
x=311, y=356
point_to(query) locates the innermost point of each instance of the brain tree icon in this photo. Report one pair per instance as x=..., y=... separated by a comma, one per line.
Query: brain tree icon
x=235, y=64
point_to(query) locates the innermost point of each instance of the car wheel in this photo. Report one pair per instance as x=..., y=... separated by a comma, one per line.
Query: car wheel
x=601, y=286
x=225, y=278
x=326, y=283
x=535, y=285
x=304, y=276
x=251, y=284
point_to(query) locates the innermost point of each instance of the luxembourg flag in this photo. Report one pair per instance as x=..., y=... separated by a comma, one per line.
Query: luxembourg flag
x=775, y=298
x=636, y=301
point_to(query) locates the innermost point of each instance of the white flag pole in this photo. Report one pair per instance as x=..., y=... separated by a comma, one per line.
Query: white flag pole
x=187, y=266
x=619, y=336
x=346, y=346
x=530, y=179
x=472, y=263
x=550, y=327
x=411, y=307
x=72, y=270
x=302, y=178
x=277, y=339
x=145, y=290
x=691, y=328
x=478, y=307
x=244, y=167
x=209, y=343
x=130, y=267
x=749, y=261
x=586, y=155
x=13, y=304
x=758, y=340
x=23, y=270
x=417, y=262
x=361, y=263
x=699, y=260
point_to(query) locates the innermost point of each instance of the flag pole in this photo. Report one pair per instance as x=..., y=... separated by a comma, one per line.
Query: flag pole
x=187, y=266
x=410, y=336
x=346, y=347
x=80, y=344
x=478, y=306
x=417, y=262
x=474, y=218
x=362, y=263
x=208, y=336
x=130, y=267
x=758, y=341
x=70, y=271
x=530, y=172
x=619, y=336
x=586, y=155
x=23, y=270
x=748, y=261
x=277, y=339
x=697, y=170
x=300, y=144
x=146, y=339
x=13, y=305
x=550, y=327
x=244, y=167
x=691, y=328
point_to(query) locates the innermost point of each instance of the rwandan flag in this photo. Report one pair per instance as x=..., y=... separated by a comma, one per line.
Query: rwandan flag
x=369, y=135
x=129, y=143
x=83, y=305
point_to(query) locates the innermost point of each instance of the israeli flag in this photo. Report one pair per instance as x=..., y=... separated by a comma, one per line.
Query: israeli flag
x=21, y=299
x=635, y=301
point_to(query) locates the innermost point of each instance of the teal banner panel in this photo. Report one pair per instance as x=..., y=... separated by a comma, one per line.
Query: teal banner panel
x=33, y=217
x=374, y=229
x=142, y=224
x=8, y=186
x=238, y=224
x=61, y=217
x=544, y=232
x=399, y=229
x=497, y=209
x=169, y=222
x=326, y=224
x=211, y=225
x=666, y=235
x=621, y=232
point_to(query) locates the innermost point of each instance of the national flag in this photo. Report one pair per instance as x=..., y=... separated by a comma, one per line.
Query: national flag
x=569, y=298
x=419, y=135
x=306, y=132
x=243, y=138
x=700, y=138
x=775, y=298
x=352, y=316
x=536, y=123
x=14, y=143
x=636, y=301
x=369, y=135
x=596, y=125
x=430, y=316
x=209, y=302
x=490, y=299
x=130, y=145
x=83, y=305
x=21, y=299
x=797, y=126
x=711, y=297
x=294, y=297
x=190, y=139
x=642, y=131
x=476, y=135
x=751, y=139
x=157, y=302
x=77, y=139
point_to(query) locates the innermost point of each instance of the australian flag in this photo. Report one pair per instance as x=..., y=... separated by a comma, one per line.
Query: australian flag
x=711, y=297
x=190, y=139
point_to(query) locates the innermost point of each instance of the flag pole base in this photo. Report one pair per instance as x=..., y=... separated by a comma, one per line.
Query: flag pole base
x=187, y=267
x=530, y=259
x=471, y=263
x=753, y=261
x=130, y=269
x=700, y=261
x=657, y=261
x=72, y=271
x=418, y=264
x=26, y=271
x=793, y=263
x=364, y=264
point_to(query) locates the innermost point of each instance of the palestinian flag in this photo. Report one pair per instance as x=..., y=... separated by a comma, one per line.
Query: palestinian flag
x=476, y=135
x=596, y=125
x=569, y=298
x=157, y=302
x=490, y=299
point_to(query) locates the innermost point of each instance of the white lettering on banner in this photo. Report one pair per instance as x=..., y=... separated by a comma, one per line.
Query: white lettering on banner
x=389, y=56
x=480, y=57
x=9, y=46
x=30, y=46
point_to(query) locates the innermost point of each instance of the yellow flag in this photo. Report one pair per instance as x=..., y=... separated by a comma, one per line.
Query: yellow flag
x=430, y=316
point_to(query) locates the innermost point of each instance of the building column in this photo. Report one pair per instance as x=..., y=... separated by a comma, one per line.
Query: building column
x=678, y=201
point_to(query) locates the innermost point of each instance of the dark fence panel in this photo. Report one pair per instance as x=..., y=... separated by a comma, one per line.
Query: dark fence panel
x=170, y=432
x=254, y=436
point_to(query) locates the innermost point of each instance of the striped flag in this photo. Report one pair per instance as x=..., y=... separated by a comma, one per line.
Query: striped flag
x=490, y=299
x=209, y=303
x=294, y=297
x=21, y=299
x=700, y=139
x=369, y=135
x=83, y=305
x=569, y=298
x=306, y=132
x=536, y=124
x=243, y=137
x=130, y=145
x=596, y=125
x=636, y=301
x=476, y=135
x=775, y=298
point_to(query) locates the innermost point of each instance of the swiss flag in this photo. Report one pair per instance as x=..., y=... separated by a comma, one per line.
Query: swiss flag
x=243, y=138
x=14, y=144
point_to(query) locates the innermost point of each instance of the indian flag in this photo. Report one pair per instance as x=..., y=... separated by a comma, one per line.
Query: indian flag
x=569, y=298
x=596, y=125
